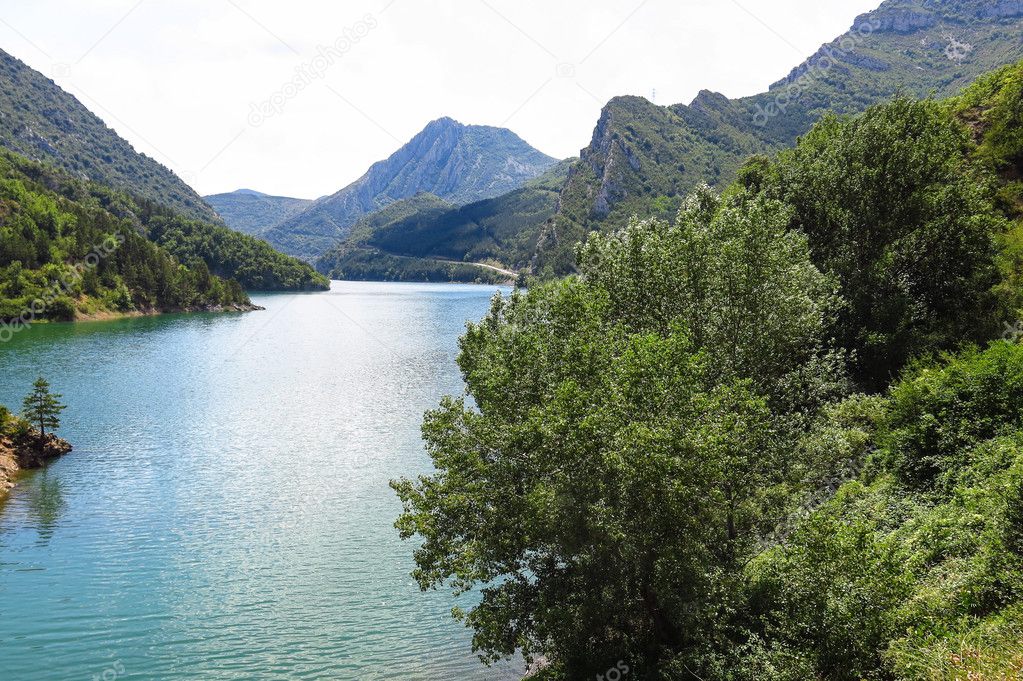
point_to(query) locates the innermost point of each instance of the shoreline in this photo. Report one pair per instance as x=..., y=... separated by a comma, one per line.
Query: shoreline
x=18, y=456
x=113, y=315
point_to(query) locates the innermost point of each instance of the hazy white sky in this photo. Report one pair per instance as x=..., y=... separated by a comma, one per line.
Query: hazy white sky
x=300, y=97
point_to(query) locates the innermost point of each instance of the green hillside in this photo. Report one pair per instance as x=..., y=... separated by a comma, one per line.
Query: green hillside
x=64, y=254
x=501, y=232
x=226, y=253
x=776, y=436
x=44, y=123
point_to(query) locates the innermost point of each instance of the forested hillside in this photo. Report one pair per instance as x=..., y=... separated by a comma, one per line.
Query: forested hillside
x=226, y=253
x=45, y=123
x=64, y=254
x=777, y=436
x=417, y=237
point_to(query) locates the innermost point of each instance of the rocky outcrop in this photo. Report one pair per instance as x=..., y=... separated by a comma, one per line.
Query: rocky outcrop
x=641, y=154
x=1001, y=10
x=906, y=16
x=897, y=19
x=25, y=452
x=601, y=157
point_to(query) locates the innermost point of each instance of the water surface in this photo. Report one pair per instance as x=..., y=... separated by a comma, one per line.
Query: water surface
x=225, y=513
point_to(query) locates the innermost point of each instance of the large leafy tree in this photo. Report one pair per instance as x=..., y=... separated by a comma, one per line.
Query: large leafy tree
x=624, y=436
x=895, y=208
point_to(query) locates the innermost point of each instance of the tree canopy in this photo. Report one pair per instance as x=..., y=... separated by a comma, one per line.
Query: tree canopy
x=662, y=460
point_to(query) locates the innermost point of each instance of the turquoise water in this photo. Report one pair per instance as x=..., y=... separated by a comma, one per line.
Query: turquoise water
x=225, y=513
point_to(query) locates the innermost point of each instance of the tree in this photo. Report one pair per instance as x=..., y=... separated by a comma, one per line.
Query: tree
x=613, y=471
x=42, y=408
x=894, y=207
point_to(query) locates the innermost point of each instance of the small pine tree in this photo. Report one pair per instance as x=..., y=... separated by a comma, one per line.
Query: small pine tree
x=42, y=408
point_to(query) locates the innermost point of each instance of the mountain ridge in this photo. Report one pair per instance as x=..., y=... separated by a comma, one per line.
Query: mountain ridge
x=43, y=122
x=642, y=155
x=422, y=236
x=457, y=162
x=253, y=212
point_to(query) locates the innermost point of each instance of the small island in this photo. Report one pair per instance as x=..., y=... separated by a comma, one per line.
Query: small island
x=28, y=441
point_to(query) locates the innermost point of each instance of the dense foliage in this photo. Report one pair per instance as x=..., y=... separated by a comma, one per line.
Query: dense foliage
x=199, y=245
x=252, y=262
x=875, y=195
x=663, y=461
x=65, y=249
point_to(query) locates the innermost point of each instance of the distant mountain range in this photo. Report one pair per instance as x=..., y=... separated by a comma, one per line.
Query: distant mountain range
x=427, y=238
x=482, y=197
x=643, y=158
x=253, y=212
x=455, y=162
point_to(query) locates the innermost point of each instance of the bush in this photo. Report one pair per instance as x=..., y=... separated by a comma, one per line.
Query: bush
x=937, y=415
x=61, y=309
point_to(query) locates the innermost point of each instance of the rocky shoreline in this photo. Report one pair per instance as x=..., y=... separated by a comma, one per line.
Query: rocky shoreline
x=25, y=453
x=107, y=315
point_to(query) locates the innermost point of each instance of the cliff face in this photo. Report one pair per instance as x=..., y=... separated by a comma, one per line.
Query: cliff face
x=25, y=453
x=907, y=16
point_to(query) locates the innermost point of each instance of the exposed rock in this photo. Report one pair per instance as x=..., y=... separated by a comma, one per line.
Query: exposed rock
x=1001, y=9
x=536, y=667
x=899, y=20
x=27, y=452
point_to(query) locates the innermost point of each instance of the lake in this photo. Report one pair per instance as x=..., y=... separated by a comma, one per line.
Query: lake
x=226, y=512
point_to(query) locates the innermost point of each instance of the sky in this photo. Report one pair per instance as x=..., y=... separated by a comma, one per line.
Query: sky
x=299, y=98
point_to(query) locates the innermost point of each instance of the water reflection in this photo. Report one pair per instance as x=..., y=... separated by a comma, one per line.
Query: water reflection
x=44, y=503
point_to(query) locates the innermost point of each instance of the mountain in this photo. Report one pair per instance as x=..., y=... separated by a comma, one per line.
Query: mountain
x=422, y=237
x=40, y=121
x=83, y=160
x=455, y=162
x=253, y=212
x=643, y=158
